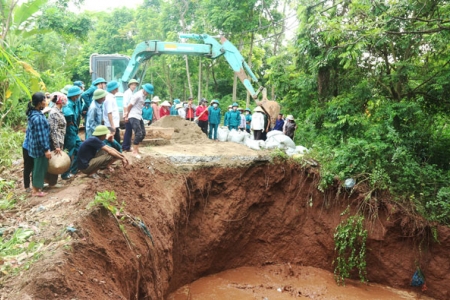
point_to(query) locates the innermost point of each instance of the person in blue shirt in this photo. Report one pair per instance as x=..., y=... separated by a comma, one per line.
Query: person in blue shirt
x=173, y=109
x=248, y=119
x=38, y=142
x=147, y=112
x=94, y=115
x=279, y=123
x=226, y=121
x=87, y=96
x=214, y=118
x=234, y=117
x=71, y=140
x=95, y=155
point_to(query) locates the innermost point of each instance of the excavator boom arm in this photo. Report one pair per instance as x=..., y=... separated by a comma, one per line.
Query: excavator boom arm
x=210, y=48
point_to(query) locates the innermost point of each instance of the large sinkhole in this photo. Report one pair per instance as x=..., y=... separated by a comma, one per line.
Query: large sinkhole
x=205, y=220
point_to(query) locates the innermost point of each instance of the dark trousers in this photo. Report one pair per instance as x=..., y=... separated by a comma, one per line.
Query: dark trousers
x=203, y=126
x=139, y=130
x=27, y=167
x=190, y=119
x=116, y=134
x=264, y=136
x=257, y=134
x=126, y=145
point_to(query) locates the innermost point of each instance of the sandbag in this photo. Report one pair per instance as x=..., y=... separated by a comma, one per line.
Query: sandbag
x=285, y=141
x=274, y=133
x=272, y=143
x=252, y=144
x=59, y=163
x=222, y=134
x=238, y=137
x=231, y=134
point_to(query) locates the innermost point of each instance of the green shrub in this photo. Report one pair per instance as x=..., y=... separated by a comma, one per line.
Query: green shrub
x=350, y=244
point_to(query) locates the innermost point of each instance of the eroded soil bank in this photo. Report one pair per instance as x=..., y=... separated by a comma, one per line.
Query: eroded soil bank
x=207, y=220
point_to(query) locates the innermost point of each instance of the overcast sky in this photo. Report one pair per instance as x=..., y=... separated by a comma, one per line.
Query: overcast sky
x=105, y=5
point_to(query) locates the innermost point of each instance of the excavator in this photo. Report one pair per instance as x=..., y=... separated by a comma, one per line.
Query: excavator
x=112, y=67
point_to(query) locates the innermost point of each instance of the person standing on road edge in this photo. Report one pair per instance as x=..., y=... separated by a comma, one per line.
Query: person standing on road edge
x=279, y=123
x=214, y=118
x=86, y=97
x=38, y=139
x=226, y=121
x=202, y=113
x=111, y=116
x=57, y=124
x=134, y=115
x=155, y=108
x=190, y=110
x=72, y=141
x=147, y=112
x=234, y=117
x=257, y=123
x=164, y=109
x=132, y=85
x=94, y=115
x=242, y=124
x=173, y=109
x=248, y=119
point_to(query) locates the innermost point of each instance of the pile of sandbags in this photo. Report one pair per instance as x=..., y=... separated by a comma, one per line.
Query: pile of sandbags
x=237, y=136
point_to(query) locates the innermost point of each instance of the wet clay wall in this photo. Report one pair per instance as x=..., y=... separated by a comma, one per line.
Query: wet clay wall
x=213, y=219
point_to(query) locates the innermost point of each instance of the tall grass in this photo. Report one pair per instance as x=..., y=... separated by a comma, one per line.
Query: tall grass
x=10, y=146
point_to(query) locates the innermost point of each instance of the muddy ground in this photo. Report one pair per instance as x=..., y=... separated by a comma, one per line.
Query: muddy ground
x=205, y=216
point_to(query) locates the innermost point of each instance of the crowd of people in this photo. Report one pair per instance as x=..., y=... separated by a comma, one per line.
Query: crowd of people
x=97, y=108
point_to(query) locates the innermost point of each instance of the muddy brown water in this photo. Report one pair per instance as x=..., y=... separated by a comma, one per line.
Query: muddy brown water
x=208, y=223
x=284, y=282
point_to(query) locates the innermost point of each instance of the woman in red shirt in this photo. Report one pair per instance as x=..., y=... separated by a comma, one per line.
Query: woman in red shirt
x=202, y=113
x=165, y=109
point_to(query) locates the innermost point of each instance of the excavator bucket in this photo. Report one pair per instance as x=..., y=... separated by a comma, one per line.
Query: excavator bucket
x=272, y=108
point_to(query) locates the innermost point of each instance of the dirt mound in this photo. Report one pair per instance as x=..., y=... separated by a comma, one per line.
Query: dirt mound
x=186, y=132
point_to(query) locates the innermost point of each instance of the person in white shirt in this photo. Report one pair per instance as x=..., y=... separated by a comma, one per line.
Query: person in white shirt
x=134, y=115
x=111, y=116
x=257, y=123
x=132, y=84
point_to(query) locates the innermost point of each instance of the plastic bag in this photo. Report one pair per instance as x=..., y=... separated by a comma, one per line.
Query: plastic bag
x=222, y=134
x=418, y=279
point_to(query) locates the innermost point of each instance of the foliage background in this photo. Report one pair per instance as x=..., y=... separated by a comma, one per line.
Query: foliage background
x=366, y=80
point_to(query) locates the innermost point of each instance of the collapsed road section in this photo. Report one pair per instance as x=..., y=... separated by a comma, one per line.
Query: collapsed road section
x=170, y=226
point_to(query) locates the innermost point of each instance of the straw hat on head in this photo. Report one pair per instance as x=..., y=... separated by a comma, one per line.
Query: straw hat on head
x=156, y=99
x=290, y=117
x=179, y=105
x=258, y=109
x=165, y=103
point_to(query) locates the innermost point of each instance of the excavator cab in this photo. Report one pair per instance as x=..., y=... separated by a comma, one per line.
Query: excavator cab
x=110, y=67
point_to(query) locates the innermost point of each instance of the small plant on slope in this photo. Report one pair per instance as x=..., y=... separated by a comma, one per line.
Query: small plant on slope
x=350, y=245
